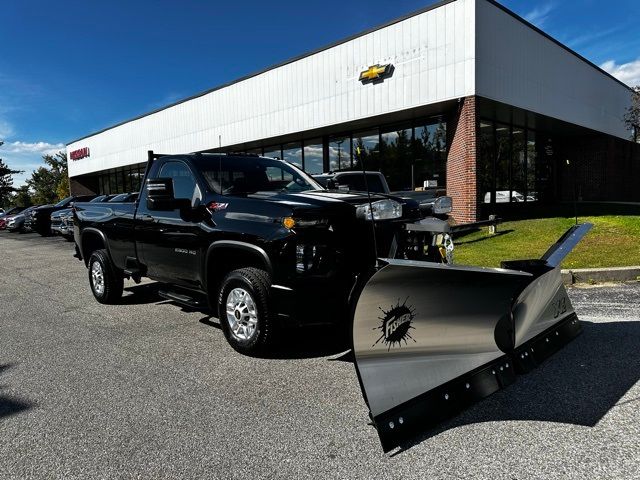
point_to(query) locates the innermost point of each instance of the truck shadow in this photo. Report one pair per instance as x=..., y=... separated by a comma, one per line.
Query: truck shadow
x=9, y=405
x=579, y=385
x=301, y=342
x=141, y=294
x=294, y=343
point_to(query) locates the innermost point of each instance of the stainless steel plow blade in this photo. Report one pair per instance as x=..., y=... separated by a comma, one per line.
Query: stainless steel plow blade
x=430, y=339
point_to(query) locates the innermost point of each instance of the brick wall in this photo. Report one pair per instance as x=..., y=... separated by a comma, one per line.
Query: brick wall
x=461, y=161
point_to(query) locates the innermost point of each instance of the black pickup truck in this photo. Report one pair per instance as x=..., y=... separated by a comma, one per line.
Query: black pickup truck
x=257, y=240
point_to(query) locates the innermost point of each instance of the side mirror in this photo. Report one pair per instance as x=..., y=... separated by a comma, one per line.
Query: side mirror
x=160, y=194
x=332, y=184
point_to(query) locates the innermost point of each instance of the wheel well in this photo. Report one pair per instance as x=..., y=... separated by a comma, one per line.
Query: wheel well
x=225, y=259
x=90, y=243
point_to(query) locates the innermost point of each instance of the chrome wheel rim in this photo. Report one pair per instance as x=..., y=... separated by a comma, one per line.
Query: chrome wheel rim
x=97, y=278
x=242, y=315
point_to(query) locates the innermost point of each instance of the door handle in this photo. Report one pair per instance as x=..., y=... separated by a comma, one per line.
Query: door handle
x=147, y=218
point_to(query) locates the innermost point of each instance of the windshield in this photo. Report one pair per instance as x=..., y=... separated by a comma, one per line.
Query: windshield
x=63, y=202
x=245, y=175
x=356, y=182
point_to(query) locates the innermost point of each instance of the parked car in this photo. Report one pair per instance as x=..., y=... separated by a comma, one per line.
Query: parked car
x=66, y=227
x=125, y=197
x=432, y=201
x=11, y=211
x=40, y=218
x=506, y=196
x=56, y=220
x=5, y=214
x=16, y=223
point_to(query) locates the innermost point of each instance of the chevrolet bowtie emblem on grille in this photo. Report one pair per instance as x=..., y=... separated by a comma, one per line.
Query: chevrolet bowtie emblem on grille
x=376, y=73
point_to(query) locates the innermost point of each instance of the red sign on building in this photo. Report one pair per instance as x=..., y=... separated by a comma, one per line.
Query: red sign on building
x=80, y=153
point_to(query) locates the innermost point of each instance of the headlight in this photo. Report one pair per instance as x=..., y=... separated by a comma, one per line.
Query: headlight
x=442, y=205
x=305, y=255
x=382, y=210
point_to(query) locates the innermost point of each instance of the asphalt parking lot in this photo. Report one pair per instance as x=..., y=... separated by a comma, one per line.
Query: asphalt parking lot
x=147, y=390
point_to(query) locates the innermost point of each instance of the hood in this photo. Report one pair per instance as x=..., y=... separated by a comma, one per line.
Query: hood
x=321, y=198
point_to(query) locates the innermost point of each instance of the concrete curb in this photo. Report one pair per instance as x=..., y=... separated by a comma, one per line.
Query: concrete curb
x=591, y=275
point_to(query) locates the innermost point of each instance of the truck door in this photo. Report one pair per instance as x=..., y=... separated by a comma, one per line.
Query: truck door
x=168, y=245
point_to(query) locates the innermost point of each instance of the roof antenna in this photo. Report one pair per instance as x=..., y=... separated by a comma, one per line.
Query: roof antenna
x=373, y=222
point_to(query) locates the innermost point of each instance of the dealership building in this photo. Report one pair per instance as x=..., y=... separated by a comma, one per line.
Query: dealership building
x=463, y=94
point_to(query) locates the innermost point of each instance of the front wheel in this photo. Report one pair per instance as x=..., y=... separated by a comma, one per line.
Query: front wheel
x=104, y=278
x=243, y=310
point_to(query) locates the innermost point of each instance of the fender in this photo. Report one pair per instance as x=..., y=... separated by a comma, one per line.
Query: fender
x=101, y=235
x=235, y=244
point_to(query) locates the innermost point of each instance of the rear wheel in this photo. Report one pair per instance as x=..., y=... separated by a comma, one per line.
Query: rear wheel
x=243, y=310
x=105, y=279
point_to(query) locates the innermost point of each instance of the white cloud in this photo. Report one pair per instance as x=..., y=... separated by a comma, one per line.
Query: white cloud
x=27, y=156
x=43, y=148
x=628, y=73
x=538, y=16
x=6, y=129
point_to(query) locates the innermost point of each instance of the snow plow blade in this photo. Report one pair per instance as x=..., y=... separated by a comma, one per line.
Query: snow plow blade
x=431, y=339
x=544, y=319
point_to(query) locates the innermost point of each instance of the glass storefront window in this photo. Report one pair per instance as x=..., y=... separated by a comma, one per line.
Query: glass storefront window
x=397, y=162
x=485, y=162
x=292, y=153
x=509, y=159
x=313, y=158
x=113, y=183
x=532, y=163
x=518, y=166
x=503, y=160
x=273, y=152
x=430, y=154
x=339, y=153
x=366, y=150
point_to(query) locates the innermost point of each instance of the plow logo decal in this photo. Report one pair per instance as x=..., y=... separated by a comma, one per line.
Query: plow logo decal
x=396, y=324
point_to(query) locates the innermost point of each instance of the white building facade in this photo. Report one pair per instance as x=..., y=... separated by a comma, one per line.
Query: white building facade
x=463, y=93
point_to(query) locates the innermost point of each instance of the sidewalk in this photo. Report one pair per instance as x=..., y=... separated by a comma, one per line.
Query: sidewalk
x=598, y=275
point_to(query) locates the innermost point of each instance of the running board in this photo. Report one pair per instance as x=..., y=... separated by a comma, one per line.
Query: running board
x=431, y=339
x=182, y=299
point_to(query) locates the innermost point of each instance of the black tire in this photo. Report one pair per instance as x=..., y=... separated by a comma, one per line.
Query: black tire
x=256, y=283
x=44, y=233
x=109, y=290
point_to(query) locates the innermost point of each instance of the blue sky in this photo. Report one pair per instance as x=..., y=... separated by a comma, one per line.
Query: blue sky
x=71, y=67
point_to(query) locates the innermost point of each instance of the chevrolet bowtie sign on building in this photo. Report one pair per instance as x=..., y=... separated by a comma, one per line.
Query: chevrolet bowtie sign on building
x=376, y=73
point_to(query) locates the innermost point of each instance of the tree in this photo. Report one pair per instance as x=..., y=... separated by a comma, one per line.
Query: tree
x=22, y=196
x=6, y=181
x=50, y=184
x=632, y=115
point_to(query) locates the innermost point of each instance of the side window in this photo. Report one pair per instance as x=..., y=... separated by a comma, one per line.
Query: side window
x=184, y=184
x=276, y=174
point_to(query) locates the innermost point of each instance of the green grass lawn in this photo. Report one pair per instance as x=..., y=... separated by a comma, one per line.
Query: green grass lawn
x=614, y=241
